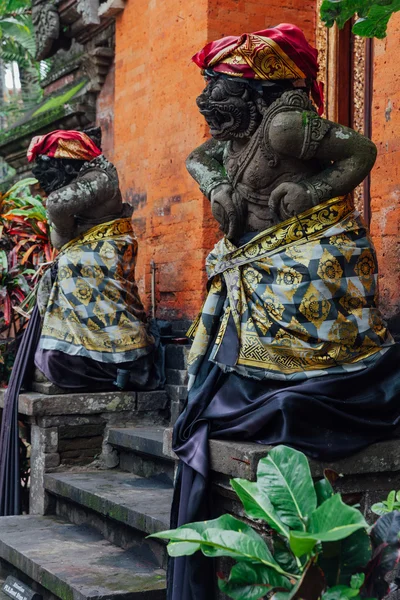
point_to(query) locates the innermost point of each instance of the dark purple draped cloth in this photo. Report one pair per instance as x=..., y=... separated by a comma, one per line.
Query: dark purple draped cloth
x=10, y=484
x=327, y=418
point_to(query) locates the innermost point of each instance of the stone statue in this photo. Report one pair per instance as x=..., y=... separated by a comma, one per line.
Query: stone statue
x=271, y=156
x=95, y=333
x=289, y=346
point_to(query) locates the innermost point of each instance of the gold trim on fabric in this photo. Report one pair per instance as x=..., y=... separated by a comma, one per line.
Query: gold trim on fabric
x=263, y=55
x=309, y=225
x=284, y=360
x=100, y=232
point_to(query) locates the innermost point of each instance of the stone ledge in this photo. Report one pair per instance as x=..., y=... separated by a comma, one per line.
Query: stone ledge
x=142, y=504
x=39, y=405
x=240, y=459
x=142, y=440
x=74, y=562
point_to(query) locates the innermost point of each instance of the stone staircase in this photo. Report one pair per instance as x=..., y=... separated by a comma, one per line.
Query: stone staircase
x=91, y=543
x=87, y=539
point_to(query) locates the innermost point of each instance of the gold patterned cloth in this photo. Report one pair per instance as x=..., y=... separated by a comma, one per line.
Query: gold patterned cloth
x=299, y=300
x=94, y=308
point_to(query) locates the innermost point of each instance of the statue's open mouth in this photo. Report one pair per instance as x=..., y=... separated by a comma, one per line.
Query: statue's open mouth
x=217, y=121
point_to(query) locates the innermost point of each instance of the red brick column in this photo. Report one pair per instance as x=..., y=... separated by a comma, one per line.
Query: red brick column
x=156, y=125
x=385, y=188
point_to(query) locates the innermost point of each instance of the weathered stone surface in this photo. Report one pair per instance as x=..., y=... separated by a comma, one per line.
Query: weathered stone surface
x=80, y=443
x=114, y=531
x=141, y=451
x=81, y=454
x=51, y=460
x=74, y=562
x=143, y=504
x=47, y=439
x=81, y=431
x=37, y=500
x=176, y=409
x=47, y=388
x=71, y=421
x=240, y=459
x=149, y=401
x=176, y=376
x=145, y=440
x=176, y=356
x=145, y=465
x=176, y=392
x=378, y=458
x=31, y=403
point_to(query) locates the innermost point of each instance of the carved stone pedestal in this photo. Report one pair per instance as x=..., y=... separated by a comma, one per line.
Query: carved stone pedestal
x=69, y=430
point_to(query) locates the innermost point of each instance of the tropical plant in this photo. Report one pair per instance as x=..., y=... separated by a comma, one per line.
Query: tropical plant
x=391, y=503
x=320, y=547
x=24, y=250
x=371, y=16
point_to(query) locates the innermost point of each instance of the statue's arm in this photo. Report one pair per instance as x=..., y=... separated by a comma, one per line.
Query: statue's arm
x=85, y=193
x=205, y=165
x=349, y=155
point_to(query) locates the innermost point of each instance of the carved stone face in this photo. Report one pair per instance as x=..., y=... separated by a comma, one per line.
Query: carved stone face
x=54, y=173
x=229, y=109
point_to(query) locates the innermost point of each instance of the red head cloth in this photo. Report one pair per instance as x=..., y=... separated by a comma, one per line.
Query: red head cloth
x=281, y=52
x=63, y=144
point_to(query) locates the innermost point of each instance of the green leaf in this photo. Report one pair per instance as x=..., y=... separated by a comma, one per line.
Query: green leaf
x=284, y=475
x=251, y=582
x=332, y=521
x=357, y=581
x=284, y=556
x=340, y=592
x=182, y=548
x=379, y=508
x=324, y=491
x=225, y=536
x=339, y=560
x=257, y=504
x=373, y=15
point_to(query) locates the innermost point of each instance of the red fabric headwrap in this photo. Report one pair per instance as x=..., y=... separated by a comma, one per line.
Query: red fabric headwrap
x=281, y=52
x=63, y=144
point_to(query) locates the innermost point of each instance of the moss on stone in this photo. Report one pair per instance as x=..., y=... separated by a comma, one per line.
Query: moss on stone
x=57, y=587
x=57, y=101
x=32, y=123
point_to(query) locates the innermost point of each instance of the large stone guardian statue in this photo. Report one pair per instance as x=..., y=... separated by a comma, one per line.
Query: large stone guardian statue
x=94, y=333
x=289, y=346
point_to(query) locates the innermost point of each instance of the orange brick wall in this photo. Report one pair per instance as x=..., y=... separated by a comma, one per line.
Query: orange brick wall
x=105, y=114
x=385, y=190
x=156, y=125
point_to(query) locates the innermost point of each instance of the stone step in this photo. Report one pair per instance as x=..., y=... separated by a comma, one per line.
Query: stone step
x=240, y=459
x=141, y=451
x=3, y=596
x=75, y=563
x=139, y=503
x=43, y=405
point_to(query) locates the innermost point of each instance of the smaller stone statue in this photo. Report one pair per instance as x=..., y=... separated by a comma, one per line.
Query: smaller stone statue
x=95, y=333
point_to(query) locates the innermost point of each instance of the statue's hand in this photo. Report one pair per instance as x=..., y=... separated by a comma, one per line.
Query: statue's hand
x=228, y=210
x=289, y=199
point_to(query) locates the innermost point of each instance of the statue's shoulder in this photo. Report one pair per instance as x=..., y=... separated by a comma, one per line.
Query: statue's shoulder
x=291, y=126
x=99, y=164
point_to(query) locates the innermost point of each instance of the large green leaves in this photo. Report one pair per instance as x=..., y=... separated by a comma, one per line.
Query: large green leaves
x=373, y=15
x=225, y=536
x=332, y=521
x=340, y=560
x=284, y=475
x=257, y=504
x=251, y=582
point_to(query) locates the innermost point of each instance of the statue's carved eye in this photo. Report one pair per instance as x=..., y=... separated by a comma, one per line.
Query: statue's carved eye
x=217, y=93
